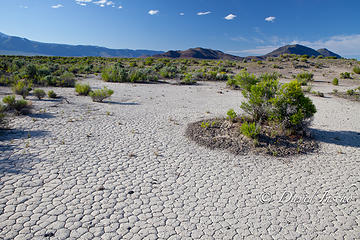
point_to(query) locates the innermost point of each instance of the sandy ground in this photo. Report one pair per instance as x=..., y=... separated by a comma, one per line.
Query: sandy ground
x=125, y=170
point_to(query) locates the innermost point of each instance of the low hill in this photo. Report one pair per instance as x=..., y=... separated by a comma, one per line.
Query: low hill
x=327, y=53
x=15, y=45
x=301, y=50
x=199, y=53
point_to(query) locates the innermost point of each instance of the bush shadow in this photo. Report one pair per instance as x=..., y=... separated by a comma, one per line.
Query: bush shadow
x=341, y=138
x=10, y=134
x=122, y=103
x=41, y=115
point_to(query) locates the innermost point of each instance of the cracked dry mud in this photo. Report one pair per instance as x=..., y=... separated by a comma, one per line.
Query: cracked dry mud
x=125, y=170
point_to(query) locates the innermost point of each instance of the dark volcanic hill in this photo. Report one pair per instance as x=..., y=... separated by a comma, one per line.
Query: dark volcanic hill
x=200, y=53
x=293, y=49
x=22, y=46
x=300, y=50
x=327, y=53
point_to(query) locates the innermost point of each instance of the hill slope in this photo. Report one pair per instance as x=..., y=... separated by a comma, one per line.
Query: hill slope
x=10, y=44
x=301, y=50
x=199, y=53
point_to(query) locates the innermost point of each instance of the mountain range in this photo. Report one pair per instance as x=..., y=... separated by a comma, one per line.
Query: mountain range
x=10, y=45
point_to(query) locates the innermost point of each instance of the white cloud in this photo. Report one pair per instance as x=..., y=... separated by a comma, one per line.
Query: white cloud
x=203, y=13
x=153, y=12
x=57, y=6
x=24, y=6
x=270, y=19
x=230, y=17
x=239, y=39
x=181, y=14
x=120, y=7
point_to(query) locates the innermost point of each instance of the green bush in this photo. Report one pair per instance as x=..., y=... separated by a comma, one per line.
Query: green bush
x=291, y=108
x=259, y=96
x=304, y=78
x=9, y=101
x=67, y=79
x=188, y=79
x=100, y=94
x=335, y=81
x=231, y=115
x=21, y=105
x=115, y=73
x=243, y=80
x=356, y=69
x=345, y=75
x=2, y=116
x=22, y=88
x=350, y=92
x=52, y=94
x=39, y=93
x=250, y=130
x=83, y=89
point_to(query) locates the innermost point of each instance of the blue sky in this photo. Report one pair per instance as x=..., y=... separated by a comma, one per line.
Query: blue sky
x=234, y=26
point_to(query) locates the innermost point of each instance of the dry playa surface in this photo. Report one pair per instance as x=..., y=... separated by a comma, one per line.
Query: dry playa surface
x=125, y=170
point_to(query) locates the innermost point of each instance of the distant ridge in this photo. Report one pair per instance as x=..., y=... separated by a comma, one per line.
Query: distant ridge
x=22, y=46
x=199, y=53
x=301, y=50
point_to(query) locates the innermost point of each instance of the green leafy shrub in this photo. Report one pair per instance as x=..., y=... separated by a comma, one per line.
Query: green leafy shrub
x=39, y=93
x=82, y=89
x=250, y=130
x=304, y=78
x=100, y=94
x=335, y=81
x=22, y=88
x=350, y=92
x=20, y=105
x=67, y=79
x=259, y=96
x=9, y=101
x=52, y=94
x=345, y=75
x=188, y=79
x=231, y=115
x=356, y=69
x=291, y=108
x=243, y=80
x=115, y=73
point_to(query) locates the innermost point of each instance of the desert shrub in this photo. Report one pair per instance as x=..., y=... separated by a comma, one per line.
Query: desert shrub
x=259, y=96
x=13, y=104
x=291, y=108
x=100, y=94
x=304, y=78
x=82, y=89
x=335, y=81
x=318, y=93
x=52, y=94
x=188, y=79
x=345, y=75
x=356, y=69
x=67, y=79
x=115, y=73
x=22, y=88
x=231, y=115
x=350, y=92
x=39, y=93
x=250, y=130
x=221, y=77
x=142, y=75
x=168, y=72
x=9, y=101
x=243, y=80
x=2, y=116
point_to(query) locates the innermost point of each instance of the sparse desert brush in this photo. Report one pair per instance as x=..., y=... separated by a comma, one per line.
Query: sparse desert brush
x=188, y=79
x=39, y=93
x=250, y=130
x=82, y=89
x=345, y=75
x=231, y=115
x=67, y=79
x=100, y=94
x=356, y=69
x=2, y=116
x=116, y=73
x=304, y=78
x=22, y=88
x=243, y=80
x=52, y=94
x=18, y=105
x=335, y=81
